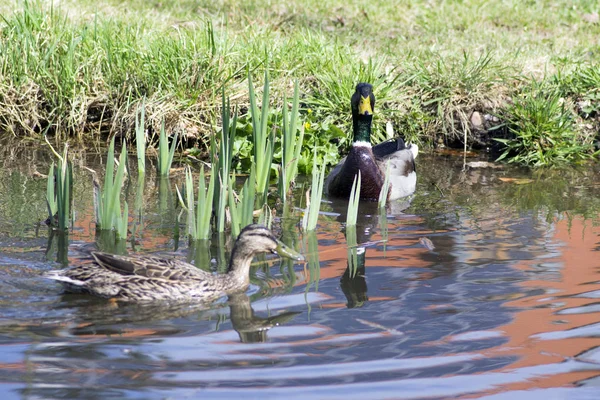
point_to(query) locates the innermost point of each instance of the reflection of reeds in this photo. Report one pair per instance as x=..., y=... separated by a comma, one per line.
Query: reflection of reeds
x=291, y=147
x=353, y=201
x=314, y=268
x=311, y=215
x=352, y=244
x=59, y=191
x=262, y=140
x=165, y=153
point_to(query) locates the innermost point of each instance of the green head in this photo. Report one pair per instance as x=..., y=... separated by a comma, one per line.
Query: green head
x=363, y=104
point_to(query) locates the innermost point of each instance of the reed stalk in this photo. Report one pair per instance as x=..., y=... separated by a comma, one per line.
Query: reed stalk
x=383, y=195
x=59, y=191
x=165, y=153
x=353, y=201
x=222, y=160
x=262, y=140
x=108, y=199
x=291, y=146
x=140, y=139
x=311, y=215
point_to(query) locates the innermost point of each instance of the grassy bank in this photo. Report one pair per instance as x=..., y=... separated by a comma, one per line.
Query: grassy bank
x=443, y=71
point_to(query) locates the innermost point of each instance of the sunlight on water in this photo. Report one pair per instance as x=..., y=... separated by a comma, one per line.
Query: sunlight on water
x=482, y=288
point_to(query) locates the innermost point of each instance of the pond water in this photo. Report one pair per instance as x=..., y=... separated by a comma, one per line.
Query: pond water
x=486, y=286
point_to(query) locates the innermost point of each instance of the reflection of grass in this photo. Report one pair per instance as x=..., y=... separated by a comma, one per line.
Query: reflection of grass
x=312, y=255
x=351, y=243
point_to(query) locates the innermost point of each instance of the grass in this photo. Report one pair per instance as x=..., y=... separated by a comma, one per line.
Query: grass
x=80, y=69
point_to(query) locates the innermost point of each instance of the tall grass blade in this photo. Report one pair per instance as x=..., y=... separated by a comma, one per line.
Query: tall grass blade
x=353, y=202
x=292, y=146
x=165, y=153
x=222, y=161
x=309, y=221
x=140, y=139
x=263, y=142
x=383, y=195
x=109, y=202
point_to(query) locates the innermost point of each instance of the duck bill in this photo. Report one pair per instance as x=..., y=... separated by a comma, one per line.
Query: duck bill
x=285, y=251
x=364, y=107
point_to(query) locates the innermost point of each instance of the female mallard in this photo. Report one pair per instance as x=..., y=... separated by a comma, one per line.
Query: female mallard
x=146, y=278
x=372, y=161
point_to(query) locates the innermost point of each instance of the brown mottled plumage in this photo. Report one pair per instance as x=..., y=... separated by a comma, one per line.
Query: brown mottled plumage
x=145, y=278
x=372, y=161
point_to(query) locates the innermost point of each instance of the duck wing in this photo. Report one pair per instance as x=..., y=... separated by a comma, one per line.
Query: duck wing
x=389, y=147
x=149, y=266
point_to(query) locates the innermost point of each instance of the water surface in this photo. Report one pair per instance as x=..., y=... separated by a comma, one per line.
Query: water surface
x=487, y=286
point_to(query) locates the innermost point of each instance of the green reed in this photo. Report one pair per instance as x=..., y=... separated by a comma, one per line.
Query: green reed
x=353, y=201
x=222, y=160
x=291, y=146
x=262, y=140
x=140, y=139
x=199, y=216
x=311, y=215
x=383, y=195
x=108, y=199
x=242, y=211
x=59, y=191
x=165, y=152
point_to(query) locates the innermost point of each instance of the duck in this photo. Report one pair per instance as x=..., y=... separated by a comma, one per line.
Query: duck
x=370, y=160
x=143, y=278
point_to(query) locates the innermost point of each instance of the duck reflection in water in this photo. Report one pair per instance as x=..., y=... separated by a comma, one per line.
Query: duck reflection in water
x=251, y=328
x=99, y=317
x=353, y=282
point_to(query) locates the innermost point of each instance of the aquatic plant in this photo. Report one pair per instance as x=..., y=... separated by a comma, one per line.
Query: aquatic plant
x=313, y=204
x=140, y=139
x=242, y=210
x=291, y=146
x=263, y=141
x=108, y=198
x=353, y=201
x=383, y=195
x=165, y=153
x=199, y=216
x=59, y=191
x=222, y=160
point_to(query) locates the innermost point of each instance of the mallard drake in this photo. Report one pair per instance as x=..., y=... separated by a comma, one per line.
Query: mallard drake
x=371, y=161
x=146, y=278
